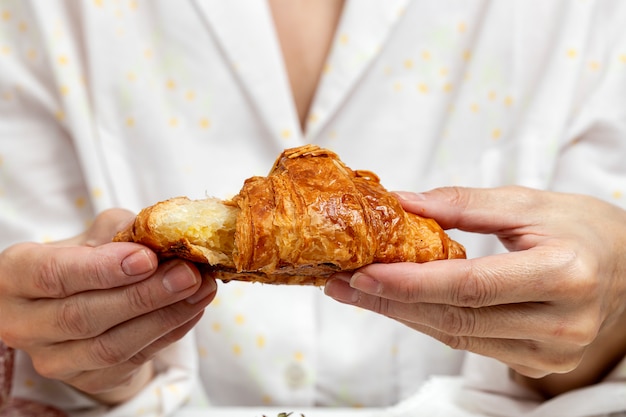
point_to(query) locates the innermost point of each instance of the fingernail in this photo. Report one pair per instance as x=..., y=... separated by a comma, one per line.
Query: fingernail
x=179, y=278
x=366, y=283
x=408, y=196
x=137, y=263
x=207, y=288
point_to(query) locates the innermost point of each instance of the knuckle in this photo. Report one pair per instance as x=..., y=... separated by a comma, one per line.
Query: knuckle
x=456, y=196
x=410, y=290
x=589, y=331
x=139, y=298
x=457, y=321
x=580, y=332
x=574, y=271
x=551, y=360
x=105, y=353
x=570, y=362
x=98, y=271
x=476, y=290
x=456, y=342
x=524, y=197
x=563, y=362
x=579, y=285
x=381, y=306
x=585, y=273
x=72, y=319
x=49, y=279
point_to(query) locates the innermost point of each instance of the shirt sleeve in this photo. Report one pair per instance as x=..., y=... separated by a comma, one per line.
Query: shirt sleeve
x=44, y=194
x=488, y=390
x=592, y=153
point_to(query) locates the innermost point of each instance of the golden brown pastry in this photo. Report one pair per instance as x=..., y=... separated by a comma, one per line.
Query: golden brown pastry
x=310, y=217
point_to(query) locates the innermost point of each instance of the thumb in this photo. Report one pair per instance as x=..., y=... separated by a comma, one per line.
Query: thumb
x=106, y=225
x=101, y=231
x=480, y=210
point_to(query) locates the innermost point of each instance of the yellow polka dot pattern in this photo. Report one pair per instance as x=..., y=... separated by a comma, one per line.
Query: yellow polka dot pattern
x=425, y=97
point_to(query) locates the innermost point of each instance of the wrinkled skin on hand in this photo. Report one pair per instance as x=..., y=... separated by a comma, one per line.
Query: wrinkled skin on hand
x=92, y=313
x=552, y=309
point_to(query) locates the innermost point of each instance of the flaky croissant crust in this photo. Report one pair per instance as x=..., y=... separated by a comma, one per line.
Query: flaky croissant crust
x=309, y=217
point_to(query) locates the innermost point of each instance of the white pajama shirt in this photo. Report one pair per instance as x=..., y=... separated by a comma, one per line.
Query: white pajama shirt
x=108, y=103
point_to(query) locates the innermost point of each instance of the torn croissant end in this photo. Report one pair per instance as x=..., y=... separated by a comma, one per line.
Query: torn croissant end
x=310, y=217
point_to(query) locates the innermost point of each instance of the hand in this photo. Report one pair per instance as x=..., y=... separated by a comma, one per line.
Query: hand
x=93, y=313
x=558, y=293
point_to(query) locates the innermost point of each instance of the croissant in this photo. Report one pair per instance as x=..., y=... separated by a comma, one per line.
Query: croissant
x=310, y=217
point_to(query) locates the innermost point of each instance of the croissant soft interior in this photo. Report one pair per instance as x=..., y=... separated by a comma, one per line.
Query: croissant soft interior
x=309, y=217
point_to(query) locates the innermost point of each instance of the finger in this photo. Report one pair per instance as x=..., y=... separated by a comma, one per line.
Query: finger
x=101, y=231
x=532, y=357
x=534, y=275
x=91, y=313
x=117, y=345
x=106, y=225
x=477, y=210
x=44, y=271
x=525, y=353
x=533, y=321
x=102, y=380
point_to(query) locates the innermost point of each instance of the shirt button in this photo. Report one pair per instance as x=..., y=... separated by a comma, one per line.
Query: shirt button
x=295, y=376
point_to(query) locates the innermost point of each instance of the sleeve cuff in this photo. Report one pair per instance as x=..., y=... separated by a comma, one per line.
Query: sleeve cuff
x=489, y=390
